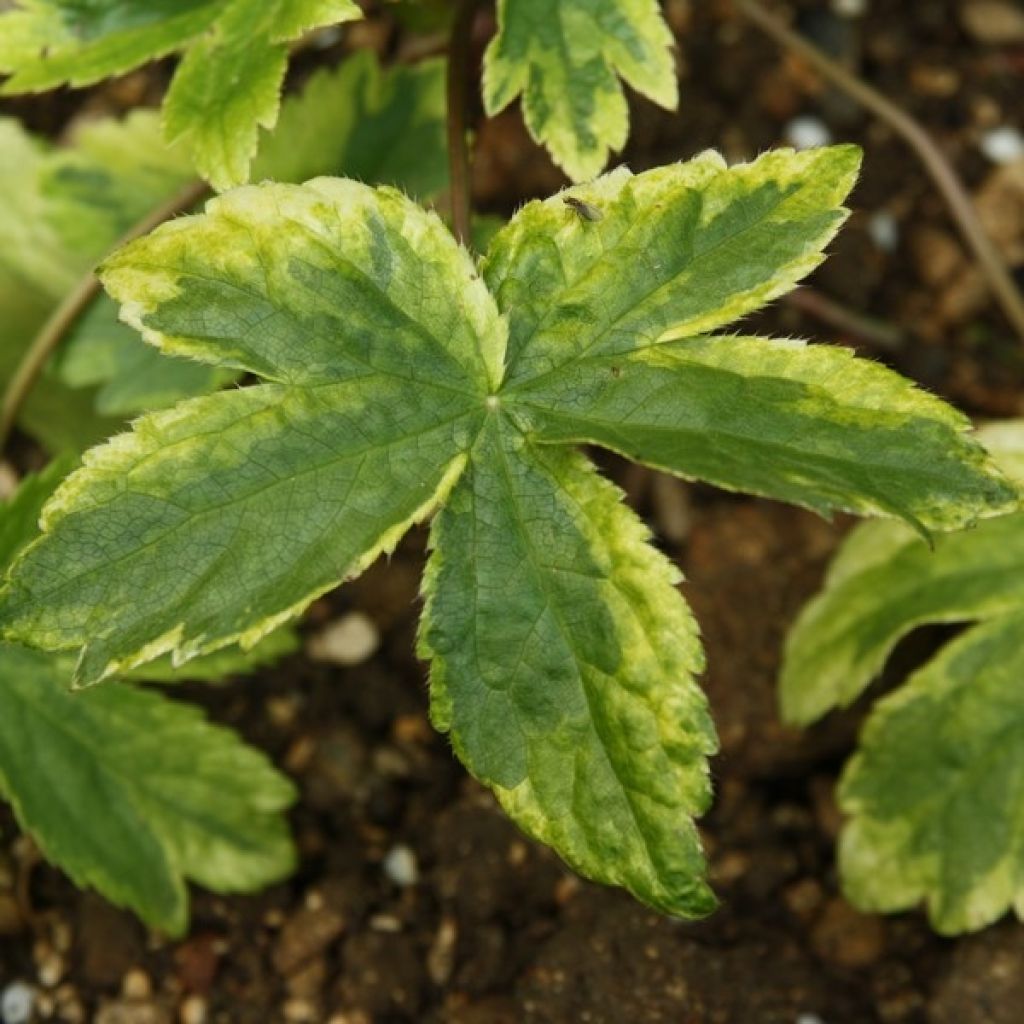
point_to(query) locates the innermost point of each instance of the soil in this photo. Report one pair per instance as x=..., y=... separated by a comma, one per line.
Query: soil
x=416, y=899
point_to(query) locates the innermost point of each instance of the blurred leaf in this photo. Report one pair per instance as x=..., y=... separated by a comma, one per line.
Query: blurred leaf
x=380, y=126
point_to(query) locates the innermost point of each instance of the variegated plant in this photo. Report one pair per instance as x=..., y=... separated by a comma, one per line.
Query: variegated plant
x=935, y=792
x=399, y=380
x=564, y=57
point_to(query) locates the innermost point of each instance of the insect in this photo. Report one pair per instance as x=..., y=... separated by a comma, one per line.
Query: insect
x=585, y=210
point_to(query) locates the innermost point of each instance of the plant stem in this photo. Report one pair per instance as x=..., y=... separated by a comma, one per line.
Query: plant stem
x=856, y=325
x=458, y=101
x=75, y=303
x=940, y=169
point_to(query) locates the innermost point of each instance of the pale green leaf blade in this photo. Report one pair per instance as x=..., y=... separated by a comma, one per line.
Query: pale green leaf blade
x=844, y=635
x=565, y=58
x=885, y=582
x=228, y=85
x=19, y=517
x=220, y=665
x=808, y=424
x=46, y=43
x=216, y=521
x=133, y=793
x=225, y=89
x=294, y=18
x=67, y=208
x=563, y=662
x=678, y=251
x=935, y=793
x=381, y=126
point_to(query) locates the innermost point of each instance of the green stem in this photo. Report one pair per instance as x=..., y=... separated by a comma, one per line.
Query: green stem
x=459, y=51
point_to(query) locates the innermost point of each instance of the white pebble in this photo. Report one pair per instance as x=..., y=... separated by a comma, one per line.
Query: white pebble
x=809, y=1018
x=850, y=8
x=1003, y=145
x=193, y=1010
x=884, y=230
x=347, y=641
x=17, y=1001
x=401, y=867
x=808, y=132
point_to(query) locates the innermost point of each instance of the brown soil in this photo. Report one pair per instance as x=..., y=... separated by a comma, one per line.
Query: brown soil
x=495, y=929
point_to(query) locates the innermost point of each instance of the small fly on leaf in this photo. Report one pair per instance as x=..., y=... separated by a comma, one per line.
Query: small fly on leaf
x=585, y=210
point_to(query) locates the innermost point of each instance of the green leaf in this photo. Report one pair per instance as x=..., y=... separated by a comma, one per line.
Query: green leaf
x=271, y=494
x=565, y=57
x=125, y=790
x=678, y=252
x=226, y=87
x=383, y=126
x=133, y=793
x=19, y=517
x=46, y=43
x=67, y=208
x=563, y=661
x=885, y=582
x=936, y=790
x=221, y=665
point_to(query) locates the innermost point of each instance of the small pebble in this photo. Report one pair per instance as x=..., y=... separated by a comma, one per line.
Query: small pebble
x=400, y=866
x=136, y=984
x=1003, y=145
x=884, y=230
x=193, y=1010
x=995, y=22
x=807, y=132
x=50, y=969
x=17, y=1002
x=347, y=641
x=850, y=8
x=809, y=1018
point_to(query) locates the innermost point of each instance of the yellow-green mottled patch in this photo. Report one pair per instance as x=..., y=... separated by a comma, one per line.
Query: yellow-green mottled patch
x=565, y=58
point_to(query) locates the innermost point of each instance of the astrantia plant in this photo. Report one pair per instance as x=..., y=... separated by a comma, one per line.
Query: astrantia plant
x=934, y=793
x=398, y=380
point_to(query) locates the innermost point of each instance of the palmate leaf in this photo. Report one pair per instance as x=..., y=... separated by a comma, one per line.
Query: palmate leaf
x=565, y=58
x=394, y=383
x=227, y=86
x=126, y=790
